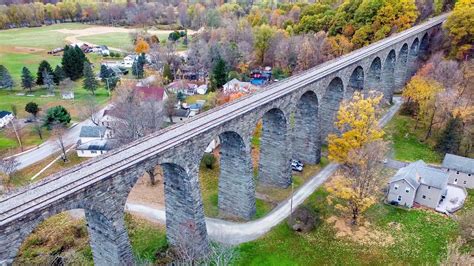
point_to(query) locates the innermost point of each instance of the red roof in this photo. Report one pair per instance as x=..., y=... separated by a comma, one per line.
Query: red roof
x=155, y=93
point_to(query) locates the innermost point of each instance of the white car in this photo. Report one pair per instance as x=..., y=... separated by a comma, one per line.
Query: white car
x=297, y=165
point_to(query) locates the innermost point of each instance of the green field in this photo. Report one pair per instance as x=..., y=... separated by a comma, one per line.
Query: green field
x=421, y=238
x=406, y=144
x=120, y=40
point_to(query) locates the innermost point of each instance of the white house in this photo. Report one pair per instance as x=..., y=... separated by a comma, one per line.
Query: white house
x=202, y=89
x=5, y=118
x=93, y=141
x=459, y=169
x=128, y=61
x=236, y=85
x=95, y=148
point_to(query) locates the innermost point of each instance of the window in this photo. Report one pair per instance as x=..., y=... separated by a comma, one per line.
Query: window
x=399, y=198
x=93, y=152
x=407, y=190
x=429, y=187
x=465, y=182
x=468, y=174
x=457, y=172
x=395, y=186
x=424, y=197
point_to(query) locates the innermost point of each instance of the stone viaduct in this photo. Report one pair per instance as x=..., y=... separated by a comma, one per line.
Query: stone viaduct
x=100, y=186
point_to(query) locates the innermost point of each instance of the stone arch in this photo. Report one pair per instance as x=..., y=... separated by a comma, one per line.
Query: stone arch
x=274, y=161
x=330, y=105
x=306, y=133
x=401, y=68
x=108, y=237
x=424, y=46
x=413, y=58
x=356, y=81
x=374, y=74
x=185, y=223
x=388, y=75
x=236, y=184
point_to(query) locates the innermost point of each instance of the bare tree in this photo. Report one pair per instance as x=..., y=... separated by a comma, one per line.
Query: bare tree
x=14, y=128
x=9, y=166
x=170, y=106
x=37, y=129
x=90, y=110
x=136, y=115
x=57, y=132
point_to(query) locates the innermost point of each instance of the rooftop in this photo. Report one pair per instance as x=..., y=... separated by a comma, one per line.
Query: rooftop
x=154, y=93
x=458, y=163
x=92, y=132
x=419, y=173
x=98, y=145
x=4, y=113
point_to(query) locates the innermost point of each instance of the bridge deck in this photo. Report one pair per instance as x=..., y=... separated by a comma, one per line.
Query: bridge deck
x=72, y=180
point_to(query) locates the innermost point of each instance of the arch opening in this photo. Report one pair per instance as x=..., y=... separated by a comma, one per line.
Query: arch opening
x=424, y=46
x=413, y=58
x=388, y=77
x=329, y=106
x=274, y=161
x=356, y=81
x=306, y=130
x=374, y=75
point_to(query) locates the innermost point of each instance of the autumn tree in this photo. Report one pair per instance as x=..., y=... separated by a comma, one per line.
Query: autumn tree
x=354, y=191
x=357, y=123
x=142, y=47
x=424, y=93
x=263, y=35
x=460, y=26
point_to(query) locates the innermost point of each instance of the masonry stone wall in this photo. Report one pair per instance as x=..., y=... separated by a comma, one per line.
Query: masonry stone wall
x=312, y=106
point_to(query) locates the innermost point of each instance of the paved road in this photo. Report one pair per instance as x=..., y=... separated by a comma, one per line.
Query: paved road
x=236, y=233
x=50, y=147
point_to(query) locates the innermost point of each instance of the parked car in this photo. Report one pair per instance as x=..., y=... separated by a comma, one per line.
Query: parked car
x=297, y=165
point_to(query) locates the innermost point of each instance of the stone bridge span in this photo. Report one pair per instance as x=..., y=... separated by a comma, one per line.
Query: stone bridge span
x=297, y=114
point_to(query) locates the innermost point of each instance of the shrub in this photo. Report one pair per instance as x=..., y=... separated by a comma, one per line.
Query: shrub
x=303, y=219
x=409, y=108
x=209, y=160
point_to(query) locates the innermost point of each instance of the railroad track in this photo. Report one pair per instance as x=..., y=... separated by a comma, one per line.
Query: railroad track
x=77, y=178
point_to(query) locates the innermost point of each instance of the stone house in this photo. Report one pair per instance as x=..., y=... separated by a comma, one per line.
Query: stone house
x=460, y=170
x=418, y=183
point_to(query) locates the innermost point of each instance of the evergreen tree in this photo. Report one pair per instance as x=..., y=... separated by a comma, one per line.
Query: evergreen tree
x=44, y=65
x=219, y=74
x=56, y=115
x=137, y=67
x=26, y=79
x=58, y=75
x=48, y=81
x=167, y=75
x=32, y=108
x=90, y=83
x=73, y=62
x=104, y=72
x=6, y=80
x=451, y=137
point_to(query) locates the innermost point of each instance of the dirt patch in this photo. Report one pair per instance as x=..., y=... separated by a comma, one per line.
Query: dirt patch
x=143, y=192
x=21, y=49
x=364, y=234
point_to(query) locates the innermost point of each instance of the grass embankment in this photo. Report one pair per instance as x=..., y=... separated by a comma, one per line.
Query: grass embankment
x=67, y=237
x=419, y=237
x=23, y=177
x=29, y=139
x=406, y=141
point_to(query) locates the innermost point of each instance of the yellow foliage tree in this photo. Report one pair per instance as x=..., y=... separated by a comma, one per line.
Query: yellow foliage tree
x=423, y=91
x=460, y=25
x=357, y=124
x=142, y=47
x=355, y=191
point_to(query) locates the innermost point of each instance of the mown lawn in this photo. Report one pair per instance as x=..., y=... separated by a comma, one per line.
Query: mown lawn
x=420, y=240
x=8, y=140
x=406, y=141
x=120, y=40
